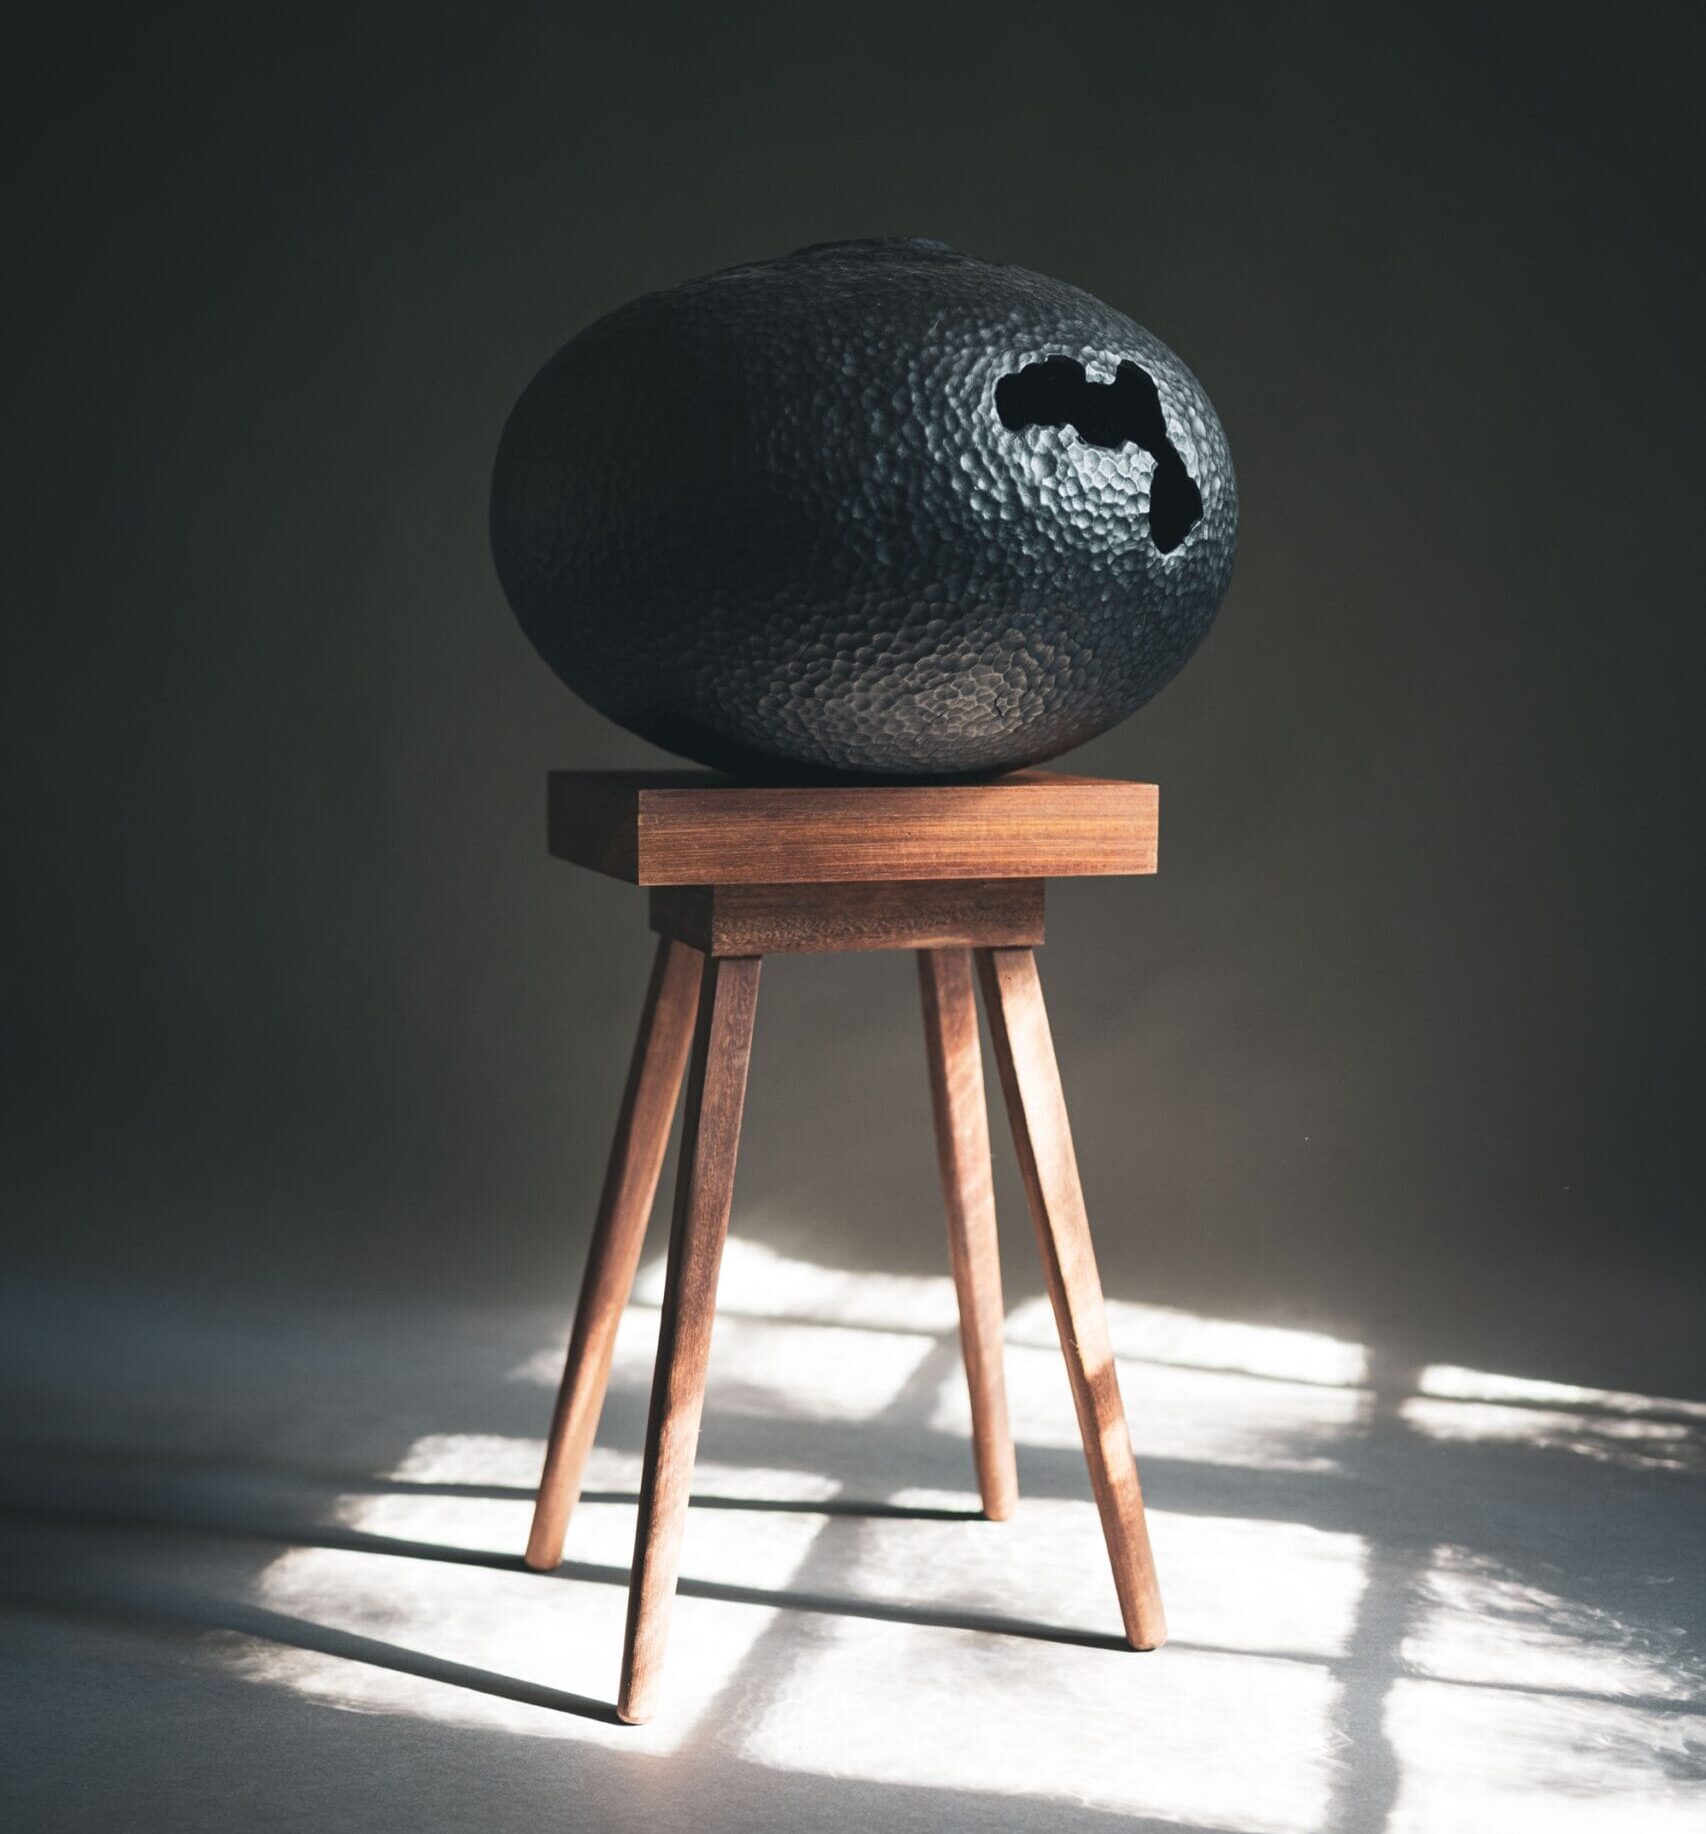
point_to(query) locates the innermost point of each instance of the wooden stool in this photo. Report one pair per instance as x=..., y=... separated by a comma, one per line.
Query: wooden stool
x=738, y=873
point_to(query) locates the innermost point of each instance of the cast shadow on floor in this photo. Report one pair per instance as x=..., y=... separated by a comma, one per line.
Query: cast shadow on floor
x=180, y=1533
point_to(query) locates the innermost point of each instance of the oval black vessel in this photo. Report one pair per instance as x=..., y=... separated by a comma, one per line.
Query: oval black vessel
x=874, y=507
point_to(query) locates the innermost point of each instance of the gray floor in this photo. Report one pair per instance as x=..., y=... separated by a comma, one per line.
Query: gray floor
x=259, y=1570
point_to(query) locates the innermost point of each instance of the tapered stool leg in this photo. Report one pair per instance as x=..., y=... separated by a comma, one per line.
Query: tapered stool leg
x=716, y=1093
x=962, y=1152
x=630, y=1182
x=1030, y=1080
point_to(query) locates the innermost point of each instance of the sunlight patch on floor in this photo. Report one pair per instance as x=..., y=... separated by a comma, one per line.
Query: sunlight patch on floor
x=1483, y=1624
x=1478, y=1761
x=1635, y=1441
x=1097, y=1727
x=1312, y=1669
x=756, y=1362
x=1162, y=1334
x=1224, y=1419
x=554, y=1634
x=758, y=1282
x=1105, y=1726
x=1455, y=1384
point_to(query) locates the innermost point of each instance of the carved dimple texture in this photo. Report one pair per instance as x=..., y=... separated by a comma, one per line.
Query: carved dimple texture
x=771, y=518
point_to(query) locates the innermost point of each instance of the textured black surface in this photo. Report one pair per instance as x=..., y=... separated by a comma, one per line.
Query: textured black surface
x=874, y=507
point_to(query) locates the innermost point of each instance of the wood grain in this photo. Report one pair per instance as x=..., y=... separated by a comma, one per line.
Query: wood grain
x=686, y=828
x=716, y=1094
x=624, y=1207
x=1036, y=1106
x=805, y=919
x=955, y=1060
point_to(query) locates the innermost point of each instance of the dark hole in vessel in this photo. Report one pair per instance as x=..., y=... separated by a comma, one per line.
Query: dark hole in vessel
x=1055, y=393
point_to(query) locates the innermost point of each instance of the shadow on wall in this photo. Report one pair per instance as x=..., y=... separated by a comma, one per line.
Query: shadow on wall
x=1390, y=1585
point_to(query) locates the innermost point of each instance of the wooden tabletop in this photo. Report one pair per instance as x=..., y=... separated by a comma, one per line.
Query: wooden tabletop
x=696, y=828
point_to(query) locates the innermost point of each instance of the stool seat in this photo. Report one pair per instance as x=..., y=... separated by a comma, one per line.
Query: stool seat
x=953, y=872
x=696, y=828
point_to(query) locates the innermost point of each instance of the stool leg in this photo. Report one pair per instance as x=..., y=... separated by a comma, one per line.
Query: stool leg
x=716, y=1092
x=630, y=1181
x=962, y=1151
x=1030, y=1080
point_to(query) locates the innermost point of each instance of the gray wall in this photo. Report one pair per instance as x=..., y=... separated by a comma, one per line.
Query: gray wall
x=1404, y=1038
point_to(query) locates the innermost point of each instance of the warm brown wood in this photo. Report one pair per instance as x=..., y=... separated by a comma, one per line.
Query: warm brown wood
x=716, y=1093
x=630, y=1182
x=962, y=1150
x=1036, y=1106
x=807, y=919
x=955, y=872
x=687, y=828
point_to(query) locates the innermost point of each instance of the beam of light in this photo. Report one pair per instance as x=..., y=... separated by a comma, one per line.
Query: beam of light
x=856, y=1371
x=1162, y=1334
x=758, y=1282
x=1635, y=1441
x=1451, y=1383
x=1249, y=1422
x=1484, y=1624
x=1516, y=1708
x=1512, y=1763
x=1102, y=1728
x=1322, y=1666
x=557, y=1635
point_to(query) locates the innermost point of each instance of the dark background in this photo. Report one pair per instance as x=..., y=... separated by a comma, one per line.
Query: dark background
x=1404, y=1039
